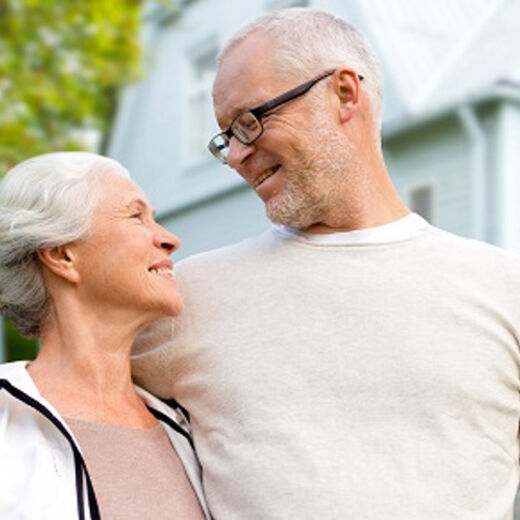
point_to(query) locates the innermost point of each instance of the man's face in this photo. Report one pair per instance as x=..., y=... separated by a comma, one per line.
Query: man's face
x=295, y=165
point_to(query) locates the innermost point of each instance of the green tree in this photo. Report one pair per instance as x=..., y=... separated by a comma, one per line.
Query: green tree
x=62, y=63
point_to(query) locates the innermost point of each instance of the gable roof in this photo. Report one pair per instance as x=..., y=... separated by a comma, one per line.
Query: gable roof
x=442, y=52
x=486, y=61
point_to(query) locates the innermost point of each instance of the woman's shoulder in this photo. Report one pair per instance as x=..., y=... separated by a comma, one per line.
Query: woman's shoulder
x=15, y=374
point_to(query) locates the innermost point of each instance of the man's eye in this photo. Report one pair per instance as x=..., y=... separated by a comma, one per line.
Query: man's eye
x=136, y=215
x=252, y=124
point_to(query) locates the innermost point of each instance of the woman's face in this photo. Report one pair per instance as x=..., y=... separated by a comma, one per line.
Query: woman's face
x=124, y=262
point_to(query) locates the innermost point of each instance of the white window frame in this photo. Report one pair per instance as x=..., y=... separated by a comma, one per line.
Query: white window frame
x=192, y=89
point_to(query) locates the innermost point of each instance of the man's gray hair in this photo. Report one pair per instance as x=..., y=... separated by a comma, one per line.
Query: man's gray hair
x=45, y=201
x=307, y=42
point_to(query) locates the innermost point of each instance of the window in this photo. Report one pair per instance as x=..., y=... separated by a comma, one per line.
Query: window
x=421, y=201
x=200, y=122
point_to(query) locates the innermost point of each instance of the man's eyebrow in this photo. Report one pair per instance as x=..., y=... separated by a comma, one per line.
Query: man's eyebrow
x=238, y=110
x=229, y=119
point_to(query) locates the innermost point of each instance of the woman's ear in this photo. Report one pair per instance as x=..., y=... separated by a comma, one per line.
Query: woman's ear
x=61, y=261
x=347, y=89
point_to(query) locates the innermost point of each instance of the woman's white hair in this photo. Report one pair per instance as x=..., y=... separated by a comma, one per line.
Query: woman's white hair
x=307, y=42
x=45, y=201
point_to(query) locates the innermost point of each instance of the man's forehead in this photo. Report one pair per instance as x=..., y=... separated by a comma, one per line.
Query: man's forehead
x=244, y=77
x=255, y=48
x=230, y=99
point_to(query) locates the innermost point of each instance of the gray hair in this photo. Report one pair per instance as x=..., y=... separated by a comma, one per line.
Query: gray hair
x=45, y=201
x=308, y=42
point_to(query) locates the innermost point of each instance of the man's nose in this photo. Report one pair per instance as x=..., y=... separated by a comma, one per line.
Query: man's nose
x=238, y=153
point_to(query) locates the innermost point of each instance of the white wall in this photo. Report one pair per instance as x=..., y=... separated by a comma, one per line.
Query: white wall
x=507, y=166
x=225, y=219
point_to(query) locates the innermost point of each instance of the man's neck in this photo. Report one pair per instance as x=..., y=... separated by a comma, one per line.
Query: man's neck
x=351, y=216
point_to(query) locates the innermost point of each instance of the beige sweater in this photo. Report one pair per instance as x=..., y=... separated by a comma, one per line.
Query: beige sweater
x=370, y=380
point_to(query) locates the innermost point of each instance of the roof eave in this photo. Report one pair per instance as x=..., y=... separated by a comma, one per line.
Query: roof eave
x=501, y=91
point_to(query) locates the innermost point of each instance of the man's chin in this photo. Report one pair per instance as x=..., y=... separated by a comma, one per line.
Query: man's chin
x=287, y=216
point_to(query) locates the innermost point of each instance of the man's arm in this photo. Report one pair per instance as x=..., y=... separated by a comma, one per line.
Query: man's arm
x=151, y=366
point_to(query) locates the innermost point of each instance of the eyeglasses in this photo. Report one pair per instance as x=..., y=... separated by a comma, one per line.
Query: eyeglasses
x=247, y=126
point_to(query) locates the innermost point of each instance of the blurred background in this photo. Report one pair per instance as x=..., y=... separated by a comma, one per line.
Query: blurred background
x=132, y=79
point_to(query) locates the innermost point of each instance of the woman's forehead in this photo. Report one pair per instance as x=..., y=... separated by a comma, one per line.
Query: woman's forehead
x=118, y=192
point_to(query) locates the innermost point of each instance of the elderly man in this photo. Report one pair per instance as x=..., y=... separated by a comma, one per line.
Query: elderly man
x=352, y=362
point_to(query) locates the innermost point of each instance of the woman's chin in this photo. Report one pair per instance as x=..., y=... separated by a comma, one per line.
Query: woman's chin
x=166, y=309
x=176, y=307
x=171, y=308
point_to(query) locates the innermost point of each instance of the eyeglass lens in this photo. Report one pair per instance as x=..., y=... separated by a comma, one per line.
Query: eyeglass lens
x=246, y=127
x=219, y=147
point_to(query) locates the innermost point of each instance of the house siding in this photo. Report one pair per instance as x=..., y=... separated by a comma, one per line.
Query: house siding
x=437, y=155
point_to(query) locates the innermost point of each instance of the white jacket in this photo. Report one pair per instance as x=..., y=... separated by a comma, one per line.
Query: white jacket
x=42, y=472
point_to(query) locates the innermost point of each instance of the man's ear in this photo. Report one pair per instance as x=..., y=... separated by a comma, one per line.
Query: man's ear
x=60, y=260
x=347, y=89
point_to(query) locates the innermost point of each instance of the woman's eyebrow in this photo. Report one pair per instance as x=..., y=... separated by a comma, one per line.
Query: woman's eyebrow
x=140, y=202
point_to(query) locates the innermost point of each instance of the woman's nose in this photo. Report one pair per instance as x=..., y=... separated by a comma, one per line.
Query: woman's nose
x=166, y=240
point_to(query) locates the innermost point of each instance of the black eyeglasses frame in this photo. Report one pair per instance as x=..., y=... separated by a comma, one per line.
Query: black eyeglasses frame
x=259, y=111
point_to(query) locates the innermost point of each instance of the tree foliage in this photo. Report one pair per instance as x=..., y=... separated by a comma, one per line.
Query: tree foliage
x=61, y=65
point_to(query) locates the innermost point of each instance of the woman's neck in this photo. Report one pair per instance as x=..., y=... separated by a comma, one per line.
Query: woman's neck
x=83, y=370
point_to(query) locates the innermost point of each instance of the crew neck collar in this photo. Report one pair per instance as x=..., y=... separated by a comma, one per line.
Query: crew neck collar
x=397, y=230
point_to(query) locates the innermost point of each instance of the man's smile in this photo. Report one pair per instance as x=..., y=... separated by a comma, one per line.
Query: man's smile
x=265, y=175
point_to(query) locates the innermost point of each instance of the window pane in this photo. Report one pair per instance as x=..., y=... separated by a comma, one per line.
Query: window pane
x=200, y=120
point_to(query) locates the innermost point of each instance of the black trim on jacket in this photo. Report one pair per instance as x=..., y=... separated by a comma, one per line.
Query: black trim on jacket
x=79, y=462
x=172, y=424
x=173, y=403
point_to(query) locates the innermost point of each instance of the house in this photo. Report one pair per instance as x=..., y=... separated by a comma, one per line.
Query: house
x=451, y=122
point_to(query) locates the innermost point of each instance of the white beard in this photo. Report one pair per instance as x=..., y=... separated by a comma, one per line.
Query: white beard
x=314, y=180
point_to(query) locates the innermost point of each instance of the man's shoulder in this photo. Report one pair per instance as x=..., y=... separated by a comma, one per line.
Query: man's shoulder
x=474, y=254
x=234, y=253
x=462, y=243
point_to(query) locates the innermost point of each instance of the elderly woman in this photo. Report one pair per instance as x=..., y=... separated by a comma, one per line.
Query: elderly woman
x=84, y=266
